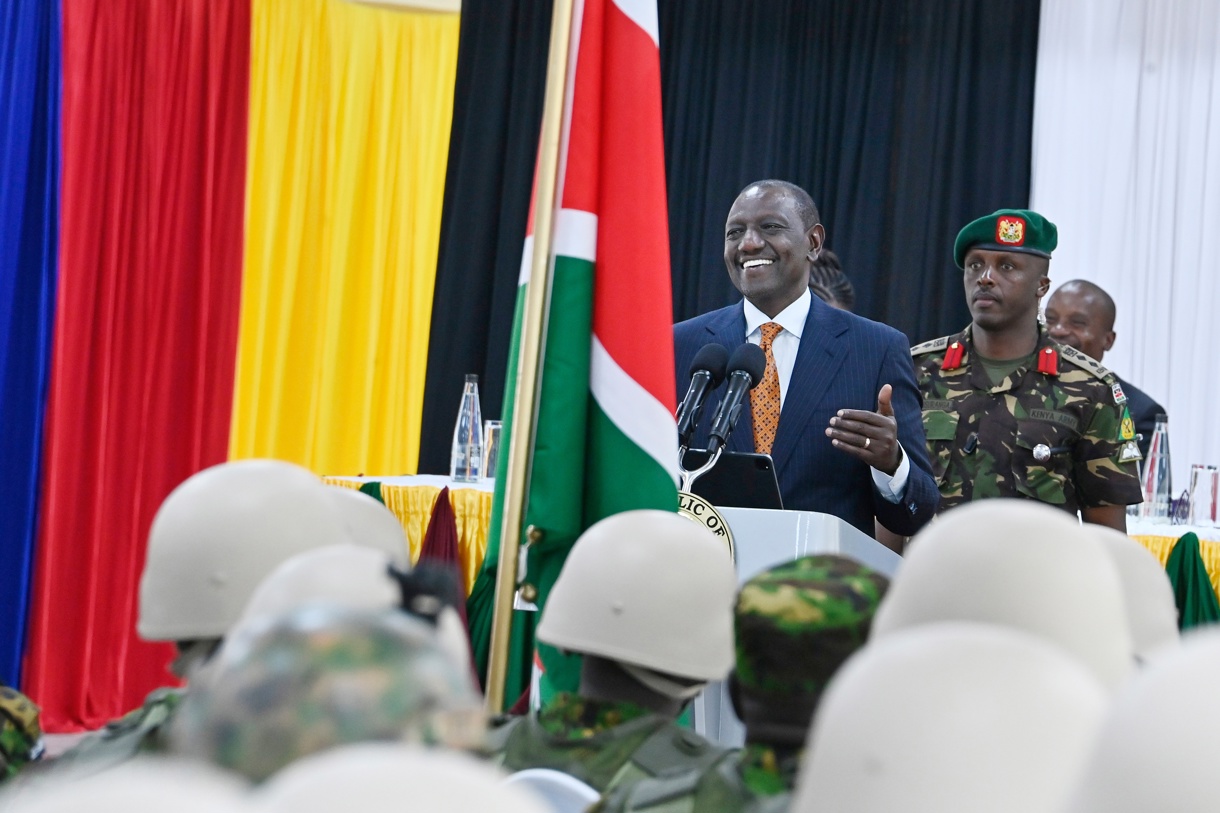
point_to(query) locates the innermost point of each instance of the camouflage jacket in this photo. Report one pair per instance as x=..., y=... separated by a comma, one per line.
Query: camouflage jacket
x=20, y=732
x=143, y=730
x=1062, y=438
x=605, y=745
x=752, y=780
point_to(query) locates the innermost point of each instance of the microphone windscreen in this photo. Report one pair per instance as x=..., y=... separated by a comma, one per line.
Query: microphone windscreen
x=749, y=358
x=713, y=358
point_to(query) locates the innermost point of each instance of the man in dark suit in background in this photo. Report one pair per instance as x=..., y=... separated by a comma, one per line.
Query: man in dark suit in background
x=838, y=409
x=1081, y=315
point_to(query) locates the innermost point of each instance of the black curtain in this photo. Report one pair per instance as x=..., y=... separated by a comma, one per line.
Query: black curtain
x=497, y=115
x=904, y=119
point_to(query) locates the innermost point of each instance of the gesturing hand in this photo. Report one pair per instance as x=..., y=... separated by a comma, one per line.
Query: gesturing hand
x=869, y=436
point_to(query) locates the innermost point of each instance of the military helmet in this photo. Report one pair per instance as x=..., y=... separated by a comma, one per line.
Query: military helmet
x=1152, y=612
x=219, y=533
x=951, y=717
x=145, y=784
x=357, y=577
x=20, y=731
x=1021, y=564
x=345, y=575
x=1156, y=749
x=649, y=589
x=369, y=522
x=320, y=677
x=796, y=624
x=391, y=778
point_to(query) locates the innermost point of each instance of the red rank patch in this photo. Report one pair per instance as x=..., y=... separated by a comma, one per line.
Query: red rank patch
x=1048, y=361
x=953, y=357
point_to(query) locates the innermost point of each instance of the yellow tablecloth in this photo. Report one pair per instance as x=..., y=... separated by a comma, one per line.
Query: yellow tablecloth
x=412, y=498
x=1160, y=539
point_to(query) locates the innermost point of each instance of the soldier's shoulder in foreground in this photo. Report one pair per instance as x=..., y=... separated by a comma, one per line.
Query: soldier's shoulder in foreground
x=142, y=730
x=720, y=787
x=605, y=745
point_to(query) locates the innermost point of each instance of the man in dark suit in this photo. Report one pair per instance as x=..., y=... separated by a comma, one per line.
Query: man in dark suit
x=1081, y=315
x=838, y=408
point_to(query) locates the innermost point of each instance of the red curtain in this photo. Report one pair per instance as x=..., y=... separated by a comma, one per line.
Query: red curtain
x=154, y=147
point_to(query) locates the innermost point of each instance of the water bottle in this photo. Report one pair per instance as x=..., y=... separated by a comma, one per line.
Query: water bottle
x=1156, y=483
x=466, y=457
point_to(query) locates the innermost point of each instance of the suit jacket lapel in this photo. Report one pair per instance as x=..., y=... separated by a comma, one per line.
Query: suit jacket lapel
x=823, y=348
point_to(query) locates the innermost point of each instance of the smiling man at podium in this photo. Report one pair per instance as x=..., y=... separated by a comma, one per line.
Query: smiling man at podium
x=837, y=408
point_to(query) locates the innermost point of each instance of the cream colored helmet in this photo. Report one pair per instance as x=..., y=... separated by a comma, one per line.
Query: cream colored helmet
x=1152, y=613
x=391, y=778
x=1020, y=564
x=370, y=523
x=349, y=576
x=1157, y=747
x=650, y=589
x=218, y=534
x=141, y=785
x=345, y=575
x=951, y=718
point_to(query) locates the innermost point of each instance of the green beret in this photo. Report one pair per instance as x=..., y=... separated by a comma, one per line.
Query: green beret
x=797, y=622
x=1007, y=230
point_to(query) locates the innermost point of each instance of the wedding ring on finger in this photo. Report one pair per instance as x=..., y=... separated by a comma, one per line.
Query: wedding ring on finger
x=867, y=441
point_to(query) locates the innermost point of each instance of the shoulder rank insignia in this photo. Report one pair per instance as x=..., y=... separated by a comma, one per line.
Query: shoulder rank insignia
x=1130, y=452
x=1048, y=361
x=1084, y=362
x=1126, y=428
x=930, y=347
x=1119, y=396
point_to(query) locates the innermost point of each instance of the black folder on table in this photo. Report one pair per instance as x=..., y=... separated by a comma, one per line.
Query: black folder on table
x=738, y=480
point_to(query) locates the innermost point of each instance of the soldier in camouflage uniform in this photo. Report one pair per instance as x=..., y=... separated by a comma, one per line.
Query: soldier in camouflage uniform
x=647, y=598
x=1008, y=412
x=795, y=626
x=20, y=732
x=214, y=538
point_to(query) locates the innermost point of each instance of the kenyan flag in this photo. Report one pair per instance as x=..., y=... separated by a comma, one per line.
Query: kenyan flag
x=606, y=440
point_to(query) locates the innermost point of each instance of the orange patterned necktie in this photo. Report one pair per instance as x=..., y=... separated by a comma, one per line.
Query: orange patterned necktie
x=764, y=399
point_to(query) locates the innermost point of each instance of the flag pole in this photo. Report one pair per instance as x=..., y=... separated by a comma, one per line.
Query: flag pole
x=529, y=360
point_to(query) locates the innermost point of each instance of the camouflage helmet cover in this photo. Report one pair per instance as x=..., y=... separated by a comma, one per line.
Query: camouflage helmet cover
x=797, y=622
x=320, y=677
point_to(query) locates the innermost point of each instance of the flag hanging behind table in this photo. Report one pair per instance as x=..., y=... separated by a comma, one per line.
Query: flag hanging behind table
x=605, y=438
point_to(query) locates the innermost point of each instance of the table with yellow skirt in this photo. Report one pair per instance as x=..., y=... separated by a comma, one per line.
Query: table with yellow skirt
x=1160, y=537
x=411, y=499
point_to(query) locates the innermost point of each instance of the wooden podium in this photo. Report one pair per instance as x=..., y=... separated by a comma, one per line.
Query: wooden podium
x=762, y=539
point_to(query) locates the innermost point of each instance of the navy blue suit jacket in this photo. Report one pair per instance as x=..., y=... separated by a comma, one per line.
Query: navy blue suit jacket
x=842, y=363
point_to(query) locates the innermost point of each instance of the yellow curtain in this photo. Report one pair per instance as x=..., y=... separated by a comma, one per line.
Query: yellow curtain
x=350, y=108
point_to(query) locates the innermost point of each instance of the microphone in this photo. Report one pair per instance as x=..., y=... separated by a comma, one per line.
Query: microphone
x=746, y=368
x=706, y=373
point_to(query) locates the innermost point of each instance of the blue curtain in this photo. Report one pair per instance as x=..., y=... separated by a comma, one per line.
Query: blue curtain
x=29, y=217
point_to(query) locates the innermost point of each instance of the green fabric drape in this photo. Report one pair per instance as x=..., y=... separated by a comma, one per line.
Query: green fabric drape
x=1192, y=589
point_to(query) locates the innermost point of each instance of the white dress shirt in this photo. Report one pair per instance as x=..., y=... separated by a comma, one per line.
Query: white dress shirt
x=784, y=348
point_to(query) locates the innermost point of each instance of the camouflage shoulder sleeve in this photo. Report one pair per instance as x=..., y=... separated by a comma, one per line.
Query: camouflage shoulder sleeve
x=1102, y=475
x=934, y=346
x=139, y=731
x=672, y=748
